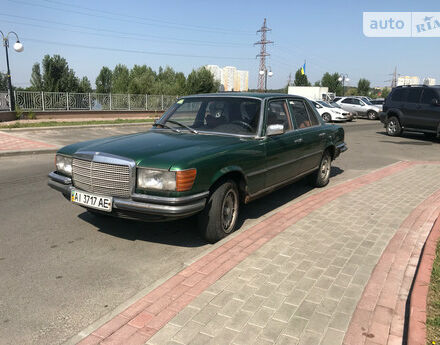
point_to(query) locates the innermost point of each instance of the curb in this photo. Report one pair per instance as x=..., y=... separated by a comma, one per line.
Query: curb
x=76, y=126
x=419, y=294
x=27, y=152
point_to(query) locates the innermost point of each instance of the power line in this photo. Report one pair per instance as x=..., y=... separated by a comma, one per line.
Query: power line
x=95, y=15
x=30, y=39
x=145, y=19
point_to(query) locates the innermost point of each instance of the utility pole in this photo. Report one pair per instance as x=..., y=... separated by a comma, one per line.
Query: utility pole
x=394, y=81
x=289, y=82
x=262, y=71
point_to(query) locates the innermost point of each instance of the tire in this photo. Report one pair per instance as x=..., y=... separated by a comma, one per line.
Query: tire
x=321, y=177
x=372, y=115
x=393, y=127
x=219, y=217
x=326, y=117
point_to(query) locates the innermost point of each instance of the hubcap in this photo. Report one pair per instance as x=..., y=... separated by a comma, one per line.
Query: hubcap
x=229, y=210
x=325, y=168
x=392, y=127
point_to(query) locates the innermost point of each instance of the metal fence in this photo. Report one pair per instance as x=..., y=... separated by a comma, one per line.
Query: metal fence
x=70, y=101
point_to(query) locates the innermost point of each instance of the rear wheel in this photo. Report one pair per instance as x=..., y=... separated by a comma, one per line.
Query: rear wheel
x=219, y=217
x=372, y=115
x=393, y=127
x=321, y=177
x=326, y=117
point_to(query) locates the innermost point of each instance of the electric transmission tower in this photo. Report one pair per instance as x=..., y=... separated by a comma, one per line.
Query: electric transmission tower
x=262, y=71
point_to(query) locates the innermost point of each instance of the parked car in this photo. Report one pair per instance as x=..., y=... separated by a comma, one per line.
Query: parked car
x=412, y=108
x=350, y=116
x=329, y=113
x=360, y=107
x=378, y=102
x=204, y=156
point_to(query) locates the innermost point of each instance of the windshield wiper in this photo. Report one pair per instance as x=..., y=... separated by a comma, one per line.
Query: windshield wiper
x=192, y=130
x=166, y=126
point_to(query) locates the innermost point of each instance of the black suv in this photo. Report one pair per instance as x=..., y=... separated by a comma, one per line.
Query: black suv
x=414, y=108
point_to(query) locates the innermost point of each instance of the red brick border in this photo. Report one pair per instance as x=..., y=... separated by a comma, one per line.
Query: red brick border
x=11, y=142
x=380, y=314
x=419, y=294
x=145, y=317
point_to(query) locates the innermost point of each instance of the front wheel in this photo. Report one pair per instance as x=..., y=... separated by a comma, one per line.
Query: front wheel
x=372, y=115
x=321, y=177
x=219, y=217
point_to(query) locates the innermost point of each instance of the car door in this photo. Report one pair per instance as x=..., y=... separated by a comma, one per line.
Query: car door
x=312, y=136
x=429, y=113
x=347, y=104
x=412, y=108
x=283, y=151
x=359, y=107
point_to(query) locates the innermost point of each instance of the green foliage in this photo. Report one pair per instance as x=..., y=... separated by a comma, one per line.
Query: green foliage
x=331, y=81
x=57, y=76
x=363, y=87
x=31, y=115
x=18, y=112
x=351, y=91
x=104, y=80
x=3, y=82
x=84, y=85
x=120, y=79
x=201, y=81
x=317, y=83
x=301, y=79
x=385, y=92
x=36, y=78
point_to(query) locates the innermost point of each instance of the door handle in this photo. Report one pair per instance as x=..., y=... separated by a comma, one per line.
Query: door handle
x=298, y=141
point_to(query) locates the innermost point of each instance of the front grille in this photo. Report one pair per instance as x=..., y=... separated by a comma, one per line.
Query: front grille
x=101, y=178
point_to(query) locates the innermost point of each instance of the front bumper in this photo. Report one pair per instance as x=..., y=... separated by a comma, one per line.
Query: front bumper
x=340, y=148
x=141, y=206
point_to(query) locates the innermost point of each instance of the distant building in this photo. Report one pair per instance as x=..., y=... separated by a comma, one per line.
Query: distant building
x=230, y=78
x=407, y=80
x=429, y=81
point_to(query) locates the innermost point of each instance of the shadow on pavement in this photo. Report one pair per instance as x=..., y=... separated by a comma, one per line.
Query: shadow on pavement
x=184, y=232
x=419, y=139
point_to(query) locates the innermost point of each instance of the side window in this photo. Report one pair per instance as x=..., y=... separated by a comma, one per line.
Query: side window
x=347, y=101
x=356, y=101
x=313, y=115
x=278, y=114
x=414, y=94
x=428, y=95
x=300, y=113
x=399, y=95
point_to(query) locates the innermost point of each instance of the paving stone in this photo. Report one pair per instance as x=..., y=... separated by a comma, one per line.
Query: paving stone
x=231, y=308
x=272, y=330
x=318, y=323
x=315, y=295
x=305, y=284
x=265, y=290
x=332, y=337
x=347, y=305
x=285, y=312
x=327, y=306
x=184, y=316
x=261, y=317
x=215, y=325
x=306, y=309
x=221, y=299
x=206, y=314
x=239, y=320
x=245, y=293
x=187, y=333
x=164, y=334
x=335, y=292
x=248, y=335
x=274, y=301
x=295, y=327
x=286, y=340
x=253, y=303
x=225, y=336
x=202, y=300
x=340, y=321
x=324, y=282
x=309, y=338
x=200, y=339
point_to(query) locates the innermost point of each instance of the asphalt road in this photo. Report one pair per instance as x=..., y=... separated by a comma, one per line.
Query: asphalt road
x=62, y=268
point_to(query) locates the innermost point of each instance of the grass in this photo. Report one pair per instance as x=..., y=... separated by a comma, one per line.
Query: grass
x=433, y=302
x=73, y=123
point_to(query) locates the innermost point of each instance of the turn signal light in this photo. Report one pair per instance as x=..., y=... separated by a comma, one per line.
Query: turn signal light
x=185, y=179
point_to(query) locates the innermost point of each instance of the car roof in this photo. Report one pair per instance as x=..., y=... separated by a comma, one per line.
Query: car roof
x=261, y=95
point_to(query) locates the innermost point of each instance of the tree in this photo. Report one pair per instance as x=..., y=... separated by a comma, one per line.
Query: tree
x=84, y=85
x=142, y=79
x=57, y=76
x=363, y=87
x=104, y=80
x=301, y=79
x=201, y=81
x=3, y=82
x=332, y=82
x=317, y=83
x=36, y=78
x=120, y=79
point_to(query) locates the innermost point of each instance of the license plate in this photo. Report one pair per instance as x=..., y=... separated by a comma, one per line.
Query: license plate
x=103, y=203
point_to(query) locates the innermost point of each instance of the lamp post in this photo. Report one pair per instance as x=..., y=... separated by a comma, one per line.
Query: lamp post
x=18, y=47
x=266, y=73
x=343, y=78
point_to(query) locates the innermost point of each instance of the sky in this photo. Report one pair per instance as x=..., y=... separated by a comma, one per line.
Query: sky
x=188, y=34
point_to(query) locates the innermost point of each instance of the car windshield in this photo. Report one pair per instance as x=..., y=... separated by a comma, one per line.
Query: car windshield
x=366, y=101
x=325, y=104
x=228, y=115
x=336, y=105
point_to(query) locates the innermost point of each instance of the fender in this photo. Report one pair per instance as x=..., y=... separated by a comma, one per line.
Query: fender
x=226, y=170
x=393, y=111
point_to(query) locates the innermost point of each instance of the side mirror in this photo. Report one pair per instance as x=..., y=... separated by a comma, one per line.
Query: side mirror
x=274, y=130
x=434, y=101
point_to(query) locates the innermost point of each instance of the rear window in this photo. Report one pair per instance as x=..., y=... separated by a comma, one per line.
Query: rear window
x=428, y=95
x=399, y=95
x=414, y=95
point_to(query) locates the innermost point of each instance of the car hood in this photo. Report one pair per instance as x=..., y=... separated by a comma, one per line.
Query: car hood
x=161, y=149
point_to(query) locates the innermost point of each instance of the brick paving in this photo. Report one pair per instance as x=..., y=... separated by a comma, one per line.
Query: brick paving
x=9, y=142
x=295, y=278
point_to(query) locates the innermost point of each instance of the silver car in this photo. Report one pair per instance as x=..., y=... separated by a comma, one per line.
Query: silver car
x=361, y=107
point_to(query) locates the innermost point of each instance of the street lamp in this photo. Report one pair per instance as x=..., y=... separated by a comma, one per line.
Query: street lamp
x=343, y=78
x=18, y=47
x=266, y=73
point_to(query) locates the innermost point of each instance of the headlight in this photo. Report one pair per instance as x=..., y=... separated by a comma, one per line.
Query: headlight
x=64, y=164
x=179, y=181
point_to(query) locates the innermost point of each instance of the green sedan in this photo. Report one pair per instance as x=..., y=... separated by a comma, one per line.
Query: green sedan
x=205, y=156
